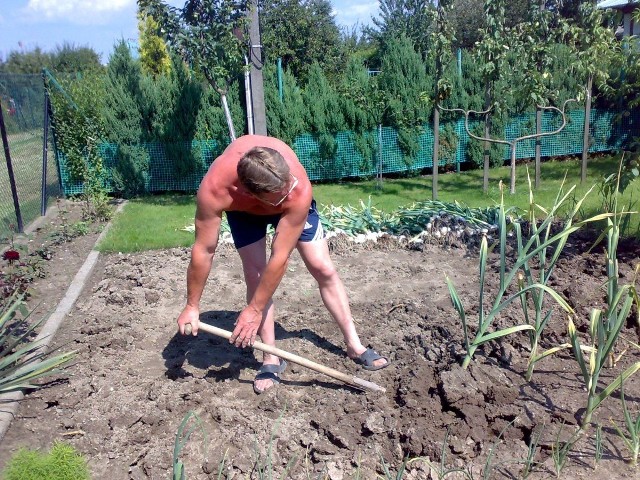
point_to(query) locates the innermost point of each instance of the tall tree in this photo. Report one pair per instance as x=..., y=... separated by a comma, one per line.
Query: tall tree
x=325, y=117
x=442, y=37
x=154, y=55
x=468, y=20
x=491, y=52
x=207, y=34
x=69, y=58
x=411, y=18
x=123, y=121
x=594, y=48
x=300, y=32
x=404, y=80
x=26, y=62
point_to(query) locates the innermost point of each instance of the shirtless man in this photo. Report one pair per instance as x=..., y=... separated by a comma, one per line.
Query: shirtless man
x=258, y=181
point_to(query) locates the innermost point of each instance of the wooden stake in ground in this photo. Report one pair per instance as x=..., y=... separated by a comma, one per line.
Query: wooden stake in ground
x=343, y=377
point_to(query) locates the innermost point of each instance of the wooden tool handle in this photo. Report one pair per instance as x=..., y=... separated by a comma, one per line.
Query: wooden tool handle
x=343, y=377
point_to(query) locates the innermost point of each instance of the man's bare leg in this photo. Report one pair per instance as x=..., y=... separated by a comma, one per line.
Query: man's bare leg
x=254, y=261
x=318, y=261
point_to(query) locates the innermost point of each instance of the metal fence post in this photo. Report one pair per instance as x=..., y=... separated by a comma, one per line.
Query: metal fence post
x=12, y=179
x=45, y=154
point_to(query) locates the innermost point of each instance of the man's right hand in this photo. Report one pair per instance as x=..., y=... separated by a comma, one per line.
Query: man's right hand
x=190, y=315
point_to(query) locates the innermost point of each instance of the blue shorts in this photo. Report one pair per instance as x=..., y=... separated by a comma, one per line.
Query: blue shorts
x=247, y=228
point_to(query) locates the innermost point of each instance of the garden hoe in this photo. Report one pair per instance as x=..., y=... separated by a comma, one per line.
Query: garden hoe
x=343, y=377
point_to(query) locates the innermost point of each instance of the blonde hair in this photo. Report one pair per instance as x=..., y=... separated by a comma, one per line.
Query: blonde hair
x=263, y=170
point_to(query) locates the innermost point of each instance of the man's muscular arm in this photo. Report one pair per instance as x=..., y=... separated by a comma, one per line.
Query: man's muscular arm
x=207, y=223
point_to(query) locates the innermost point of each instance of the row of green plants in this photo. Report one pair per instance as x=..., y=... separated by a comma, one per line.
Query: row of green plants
x=525, y=280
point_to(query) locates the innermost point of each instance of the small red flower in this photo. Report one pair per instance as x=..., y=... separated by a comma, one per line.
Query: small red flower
x=11, y=256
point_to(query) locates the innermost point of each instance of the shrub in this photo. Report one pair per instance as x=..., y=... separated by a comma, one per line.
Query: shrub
x=62, y=462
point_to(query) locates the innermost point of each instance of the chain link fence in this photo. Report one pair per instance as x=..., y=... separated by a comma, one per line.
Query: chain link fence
x=22, y=98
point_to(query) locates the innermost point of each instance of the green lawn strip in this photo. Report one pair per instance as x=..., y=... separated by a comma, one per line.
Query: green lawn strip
x=466, y=187
x=150, y=223
x=155, y=222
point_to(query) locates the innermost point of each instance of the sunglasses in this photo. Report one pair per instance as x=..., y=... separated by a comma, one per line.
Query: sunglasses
x=293, y=185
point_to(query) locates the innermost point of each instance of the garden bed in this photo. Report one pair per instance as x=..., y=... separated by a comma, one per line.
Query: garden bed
x=135, y=379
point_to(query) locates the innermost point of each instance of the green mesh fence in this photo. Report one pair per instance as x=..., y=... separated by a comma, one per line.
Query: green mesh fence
x=163, y=174
x=22, y=98
x=337, y=157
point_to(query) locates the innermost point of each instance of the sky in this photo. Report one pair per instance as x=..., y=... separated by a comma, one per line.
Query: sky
x=99, y=24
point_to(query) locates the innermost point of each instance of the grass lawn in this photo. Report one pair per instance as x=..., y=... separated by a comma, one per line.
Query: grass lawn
x=156, y=222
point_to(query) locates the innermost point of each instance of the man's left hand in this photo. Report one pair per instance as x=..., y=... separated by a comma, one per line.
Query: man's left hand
x=247, y=326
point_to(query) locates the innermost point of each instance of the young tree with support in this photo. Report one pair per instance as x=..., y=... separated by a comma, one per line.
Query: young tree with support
x=514, y=143
x=205, y=34
x=491, y=53
x=533, y=43
x=594, y=46
x=441, y=40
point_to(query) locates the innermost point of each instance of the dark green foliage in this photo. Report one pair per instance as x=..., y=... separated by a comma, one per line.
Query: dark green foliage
x=185, y=97
x=404, y=80
x=65, y=59
x=125, y=125
x=411, y=19
x=77, y=122
x=286, y=117
x=324, y=114
x=63, y=462
x=476, y=148
x=301, y=33
x=210, y=121
x=362, y=107
x=448, y=145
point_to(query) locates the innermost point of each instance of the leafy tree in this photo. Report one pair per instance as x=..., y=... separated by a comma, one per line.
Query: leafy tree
x=411, y=18
x=468, y=20
x=624, y=89
x=154, y=55
x=594, y=47
x=31, y=62
x=491, y=53
x=207, y=34
x=567, y=8
x=77, y=124
x=357, y=45
x=71, y=59
x=300, y=32
x=441, y=39
x=64, y=59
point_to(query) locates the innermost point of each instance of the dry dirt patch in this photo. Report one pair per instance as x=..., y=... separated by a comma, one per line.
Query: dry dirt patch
x=135, y=379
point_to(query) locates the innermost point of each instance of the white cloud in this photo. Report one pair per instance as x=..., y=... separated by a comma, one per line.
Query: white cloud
x=355, y=11
x=75, y=10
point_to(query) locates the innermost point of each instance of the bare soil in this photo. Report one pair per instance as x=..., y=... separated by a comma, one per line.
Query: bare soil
x=122, y=402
